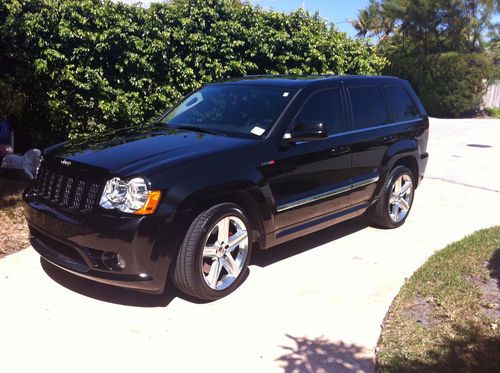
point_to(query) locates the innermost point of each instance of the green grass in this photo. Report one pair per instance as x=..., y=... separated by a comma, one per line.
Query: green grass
x=493, y=112
x=440, y=322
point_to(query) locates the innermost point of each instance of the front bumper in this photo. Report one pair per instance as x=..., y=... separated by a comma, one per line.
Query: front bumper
x=88, y=245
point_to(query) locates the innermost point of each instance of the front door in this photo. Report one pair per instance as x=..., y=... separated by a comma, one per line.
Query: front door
x=312, y=178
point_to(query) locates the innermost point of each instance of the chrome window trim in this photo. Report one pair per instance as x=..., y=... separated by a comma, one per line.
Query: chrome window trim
x=387, y=125
x=363, y=129
x=376, y=127
x=330, y=193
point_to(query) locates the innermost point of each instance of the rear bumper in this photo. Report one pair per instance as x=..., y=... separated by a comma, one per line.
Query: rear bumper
x=90, y=246
x=422, y=166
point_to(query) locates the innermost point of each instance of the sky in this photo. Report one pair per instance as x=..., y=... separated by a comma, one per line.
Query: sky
x=336, y=11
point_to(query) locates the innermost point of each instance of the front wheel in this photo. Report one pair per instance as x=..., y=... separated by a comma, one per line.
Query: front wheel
x=396, y=199
x=213, y=258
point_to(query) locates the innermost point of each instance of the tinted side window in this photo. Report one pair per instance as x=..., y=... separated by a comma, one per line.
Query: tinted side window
x=368, y=107
x=401, y=104
x=326, y=107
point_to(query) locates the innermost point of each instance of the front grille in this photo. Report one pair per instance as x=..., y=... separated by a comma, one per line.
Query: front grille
x=67, y=190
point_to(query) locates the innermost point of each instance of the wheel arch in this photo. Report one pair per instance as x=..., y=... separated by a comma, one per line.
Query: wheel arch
x=248, y=197
x=410, y=162
x=402, y=153
x=242, y=198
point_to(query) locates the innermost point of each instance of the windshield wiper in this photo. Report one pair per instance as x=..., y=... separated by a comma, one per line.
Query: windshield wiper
x=197, y=129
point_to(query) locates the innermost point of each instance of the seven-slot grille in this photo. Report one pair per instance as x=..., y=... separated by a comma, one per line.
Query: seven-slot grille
x=66, y=190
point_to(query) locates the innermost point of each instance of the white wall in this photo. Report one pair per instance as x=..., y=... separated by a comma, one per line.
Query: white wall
x=492, y=97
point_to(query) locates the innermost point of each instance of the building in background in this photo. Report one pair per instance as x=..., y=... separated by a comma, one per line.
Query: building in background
x=492, y=97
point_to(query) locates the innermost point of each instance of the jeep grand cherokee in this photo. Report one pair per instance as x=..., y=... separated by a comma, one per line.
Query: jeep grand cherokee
x=237, y=165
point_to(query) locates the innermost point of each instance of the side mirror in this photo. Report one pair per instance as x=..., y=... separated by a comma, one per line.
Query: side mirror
x=308, y=131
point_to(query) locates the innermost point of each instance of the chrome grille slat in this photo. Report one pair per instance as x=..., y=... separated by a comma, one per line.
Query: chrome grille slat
x=51, y=182
x=91, y=197
x=64, y=189
x=57, y=189
x=44, y=182
x=67, y=192
x=77, y=198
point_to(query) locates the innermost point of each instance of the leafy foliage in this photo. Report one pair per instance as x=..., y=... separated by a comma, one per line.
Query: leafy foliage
x=92, y=65
x=438, y=45
x=432, y=26
x=493, y=112
x=449, y=84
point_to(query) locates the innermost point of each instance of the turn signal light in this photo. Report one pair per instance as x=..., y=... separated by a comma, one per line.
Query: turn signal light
x=151, y=203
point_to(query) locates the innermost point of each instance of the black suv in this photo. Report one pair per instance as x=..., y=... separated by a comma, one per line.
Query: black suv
x=237, y=165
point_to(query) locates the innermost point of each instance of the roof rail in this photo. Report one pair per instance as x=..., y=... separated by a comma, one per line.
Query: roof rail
x=285, y=75
x=254, y=75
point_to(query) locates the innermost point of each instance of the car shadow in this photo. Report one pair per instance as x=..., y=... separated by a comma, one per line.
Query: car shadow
x=261, y=258
x=113, y=294
x=264, y=258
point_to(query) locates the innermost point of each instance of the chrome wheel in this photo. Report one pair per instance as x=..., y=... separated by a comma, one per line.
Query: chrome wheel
x=225, y=252
x=401, y=198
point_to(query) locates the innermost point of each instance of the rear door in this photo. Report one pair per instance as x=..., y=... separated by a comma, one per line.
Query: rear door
x=375, y=129
x=312, y=178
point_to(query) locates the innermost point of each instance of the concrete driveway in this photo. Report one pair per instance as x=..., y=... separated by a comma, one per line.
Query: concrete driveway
x=314, y=304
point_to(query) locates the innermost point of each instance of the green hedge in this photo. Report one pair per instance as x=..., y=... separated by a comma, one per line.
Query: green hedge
x=449, y=84
x=80, y=67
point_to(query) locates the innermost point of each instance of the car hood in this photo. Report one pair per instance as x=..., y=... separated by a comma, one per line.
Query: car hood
x=138, y=150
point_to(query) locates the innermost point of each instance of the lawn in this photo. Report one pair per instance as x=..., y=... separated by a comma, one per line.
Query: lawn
x=446, y=317
x=493, y=112
x=13, y=227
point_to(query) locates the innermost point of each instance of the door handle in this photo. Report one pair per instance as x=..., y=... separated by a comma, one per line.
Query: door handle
x=341, y=149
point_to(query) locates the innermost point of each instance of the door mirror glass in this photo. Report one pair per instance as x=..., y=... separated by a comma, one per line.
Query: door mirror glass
x=307, y=131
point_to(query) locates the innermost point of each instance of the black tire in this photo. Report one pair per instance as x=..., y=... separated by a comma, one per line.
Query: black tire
x=188, y=273
x=378, y=214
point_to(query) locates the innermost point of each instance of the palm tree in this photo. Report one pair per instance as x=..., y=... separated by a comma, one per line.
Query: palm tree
x=361, y=23
x=373, y=21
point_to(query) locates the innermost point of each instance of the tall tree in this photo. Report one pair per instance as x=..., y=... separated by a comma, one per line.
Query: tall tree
x=444, y=47
x=69, y=67
x=430, y=25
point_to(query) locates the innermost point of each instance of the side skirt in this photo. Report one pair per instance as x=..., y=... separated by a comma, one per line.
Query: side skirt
x=314, y=225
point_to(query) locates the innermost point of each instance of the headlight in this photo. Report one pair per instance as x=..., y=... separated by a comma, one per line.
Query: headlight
x=114, y=193
x=133, y=196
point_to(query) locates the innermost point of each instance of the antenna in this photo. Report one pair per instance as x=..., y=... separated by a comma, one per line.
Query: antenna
x=304, y=6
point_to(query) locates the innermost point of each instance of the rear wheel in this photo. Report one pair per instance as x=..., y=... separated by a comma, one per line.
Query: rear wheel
x=213, y=258
x=396, y=199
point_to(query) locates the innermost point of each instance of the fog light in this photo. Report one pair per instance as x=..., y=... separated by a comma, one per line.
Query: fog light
x=113, y=261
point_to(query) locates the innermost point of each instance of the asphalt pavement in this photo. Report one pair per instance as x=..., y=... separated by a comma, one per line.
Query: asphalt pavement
x=313, y=304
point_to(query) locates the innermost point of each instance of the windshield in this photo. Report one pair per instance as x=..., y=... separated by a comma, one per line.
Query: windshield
x=231, y=109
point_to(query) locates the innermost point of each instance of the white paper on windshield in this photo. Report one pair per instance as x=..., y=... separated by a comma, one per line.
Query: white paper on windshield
x=258, y=130
x=286, y=94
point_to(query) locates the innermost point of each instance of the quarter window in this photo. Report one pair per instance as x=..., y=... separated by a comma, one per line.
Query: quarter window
x=368, y=107
x=326, y=107
x=401, y=104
